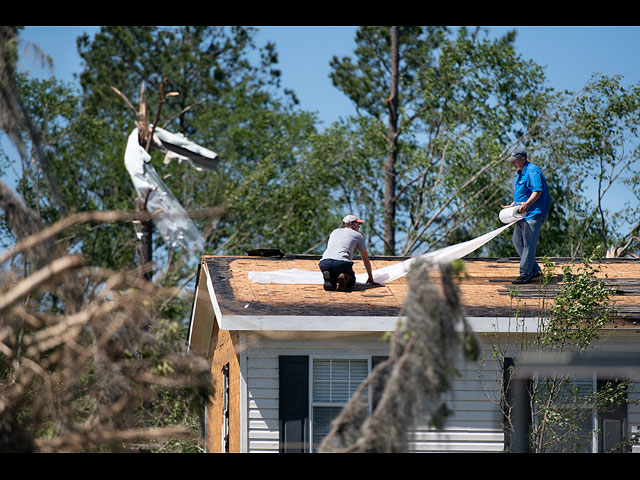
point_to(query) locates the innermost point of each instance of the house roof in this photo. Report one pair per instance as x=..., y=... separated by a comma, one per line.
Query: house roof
x=487, y=294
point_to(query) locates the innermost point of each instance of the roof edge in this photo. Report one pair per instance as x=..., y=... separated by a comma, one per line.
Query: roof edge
x=364, y=324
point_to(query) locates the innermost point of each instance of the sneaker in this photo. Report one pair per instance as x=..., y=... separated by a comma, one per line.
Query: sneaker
x=329, y=286
x=537, y=274
x=521, y=280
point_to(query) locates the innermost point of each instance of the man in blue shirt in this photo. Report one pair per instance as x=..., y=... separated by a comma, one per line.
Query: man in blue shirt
x=532, y=195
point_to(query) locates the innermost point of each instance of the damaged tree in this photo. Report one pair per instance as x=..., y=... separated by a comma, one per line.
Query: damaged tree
x=153, y=196
x=81, y=350
x=87, y=359
x=144, y=229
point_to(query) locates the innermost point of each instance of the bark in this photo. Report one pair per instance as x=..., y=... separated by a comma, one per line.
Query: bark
x=392, y=151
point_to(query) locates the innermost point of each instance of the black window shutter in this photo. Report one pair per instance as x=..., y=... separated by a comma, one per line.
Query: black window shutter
x=515, y=405
x=294, y=404
x=380, y=382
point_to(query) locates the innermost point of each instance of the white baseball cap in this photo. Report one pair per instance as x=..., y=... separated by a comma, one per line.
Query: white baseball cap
x=351, y=218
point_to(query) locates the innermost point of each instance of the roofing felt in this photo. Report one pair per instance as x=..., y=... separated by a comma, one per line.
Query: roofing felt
x=486, y=289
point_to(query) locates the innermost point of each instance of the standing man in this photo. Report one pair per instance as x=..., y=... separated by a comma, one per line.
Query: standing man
x=336, y=264
x=531, y=193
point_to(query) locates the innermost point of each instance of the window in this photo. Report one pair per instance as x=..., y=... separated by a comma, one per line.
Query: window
x=587, y=414
x=313, y=391
x=572, y=415
x=596, y=416
x=225, y=408
x=334, y=381
x=570, y=425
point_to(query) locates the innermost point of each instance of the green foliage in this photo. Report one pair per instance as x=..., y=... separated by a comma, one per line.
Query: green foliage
x=271, y=194
x=462, y=98
x=580, y=310
x=72, y=142
x=591, y=149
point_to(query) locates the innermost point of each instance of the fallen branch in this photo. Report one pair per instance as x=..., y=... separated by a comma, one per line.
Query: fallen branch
x=36, y=279
x=71, y=220
x=76, y=441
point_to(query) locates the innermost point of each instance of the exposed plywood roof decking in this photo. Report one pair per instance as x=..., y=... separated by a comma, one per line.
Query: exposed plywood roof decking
x=485, y=290
x=225, y=296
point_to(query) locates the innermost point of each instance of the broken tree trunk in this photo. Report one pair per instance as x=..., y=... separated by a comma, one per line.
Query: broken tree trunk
x=144, y=231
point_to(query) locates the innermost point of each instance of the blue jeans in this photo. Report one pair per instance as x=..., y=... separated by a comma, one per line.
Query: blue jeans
x=336, y=267
x=525, y=238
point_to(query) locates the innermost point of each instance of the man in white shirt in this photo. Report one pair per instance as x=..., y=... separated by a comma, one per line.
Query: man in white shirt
x=336, y=264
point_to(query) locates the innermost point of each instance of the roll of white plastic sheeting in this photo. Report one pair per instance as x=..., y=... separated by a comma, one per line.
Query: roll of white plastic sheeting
x=381, y=275
x=511, y=214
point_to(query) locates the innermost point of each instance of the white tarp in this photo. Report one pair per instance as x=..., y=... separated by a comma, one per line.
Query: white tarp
x=180, y=147
x=172, y=221
x=382, y=275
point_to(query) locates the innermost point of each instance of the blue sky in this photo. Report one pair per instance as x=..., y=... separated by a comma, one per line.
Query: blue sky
x=569, y=54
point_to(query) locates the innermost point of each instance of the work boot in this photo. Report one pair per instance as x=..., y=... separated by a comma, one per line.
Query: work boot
x=329, y=286
x=345, y=282
x=521, y=280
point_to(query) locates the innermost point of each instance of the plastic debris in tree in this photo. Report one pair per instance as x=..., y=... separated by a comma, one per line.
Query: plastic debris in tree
x=178, y=146
x=170, y=218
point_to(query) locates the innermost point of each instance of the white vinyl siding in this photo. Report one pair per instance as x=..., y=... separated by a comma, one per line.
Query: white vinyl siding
x=474, y=398
x=474, y=426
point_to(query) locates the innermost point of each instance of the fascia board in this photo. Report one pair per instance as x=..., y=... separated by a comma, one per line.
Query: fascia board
x=362, y=324
x=205, y=312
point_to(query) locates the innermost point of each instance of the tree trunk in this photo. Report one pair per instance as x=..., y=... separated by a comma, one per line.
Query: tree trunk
x=144, y=230
x=392, y=151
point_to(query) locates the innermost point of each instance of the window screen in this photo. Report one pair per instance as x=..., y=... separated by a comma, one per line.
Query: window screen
x=334, y=383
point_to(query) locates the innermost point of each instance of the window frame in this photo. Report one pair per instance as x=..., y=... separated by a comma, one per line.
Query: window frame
x=313, y=404
x=596, y=415
x=226, y=404
x=591, y=412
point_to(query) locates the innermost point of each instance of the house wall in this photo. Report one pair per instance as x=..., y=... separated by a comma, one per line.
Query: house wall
x=474, y=398
x=223, y=351
x=474, y=424
x=262, y=376
x=614, y=341
x=473, y=427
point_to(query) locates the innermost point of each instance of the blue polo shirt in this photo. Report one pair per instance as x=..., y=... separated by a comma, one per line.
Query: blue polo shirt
x=530, y=180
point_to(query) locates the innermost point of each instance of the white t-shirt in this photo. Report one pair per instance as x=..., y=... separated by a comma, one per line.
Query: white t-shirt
x=342, y=244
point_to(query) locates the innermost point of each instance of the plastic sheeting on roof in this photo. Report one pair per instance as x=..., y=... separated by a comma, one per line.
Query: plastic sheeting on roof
x=381, y=275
